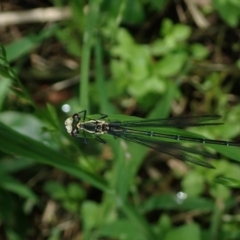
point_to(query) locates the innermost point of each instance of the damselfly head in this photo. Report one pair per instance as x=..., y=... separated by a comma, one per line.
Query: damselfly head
x=68, y=125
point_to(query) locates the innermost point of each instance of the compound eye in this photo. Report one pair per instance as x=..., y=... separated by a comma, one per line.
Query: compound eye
x=76, y=117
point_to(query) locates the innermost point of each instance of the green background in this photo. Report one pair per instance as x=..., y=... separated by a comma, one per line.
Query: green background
x=143, y=58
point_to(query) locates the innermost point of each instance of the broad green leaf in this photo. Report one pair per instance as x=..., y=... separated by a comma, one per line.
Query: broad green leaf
x=229, y=11
x=193, y=184
x=89, y=213
x=184, y=232
x=199, y=51
x=171, y=64
x=124, y=228
x=180, y=32
x=170, y=202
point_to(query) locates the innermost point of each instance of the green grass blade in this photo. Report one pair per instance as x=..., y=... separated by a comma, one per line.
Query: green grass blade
x=14, y=143
x=26, y=44
x=100, y=80
x=228, y=151
x=10, y=184
x=5, y=84
x=163, y=107
x=138, y=221
x=91, y=21
x=129, y=157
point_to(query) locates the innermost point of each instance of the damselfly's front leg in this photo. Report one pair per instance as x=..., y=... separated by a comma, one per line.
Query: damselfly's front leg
x=84, y=112
x=84, y=138
x=99, y=139
x=103, y=116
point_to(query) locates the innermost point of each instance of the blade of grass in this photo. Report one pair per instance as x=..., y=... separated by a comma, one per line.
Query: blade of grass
x=14, y=143
x=10, y=74
x=100, y=82
x=228, y=182
x=228, y=151
x=91, y=22
x=4, y=87
x=26, y=44
x=138, y=220
x=118, y=17
x=217, y=214
x=128, y=160
x=163, y=107
x=11, y=184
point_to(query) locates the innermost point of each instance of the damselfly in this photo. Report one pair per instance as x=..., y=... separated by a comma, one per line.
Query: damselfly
x=139, y=131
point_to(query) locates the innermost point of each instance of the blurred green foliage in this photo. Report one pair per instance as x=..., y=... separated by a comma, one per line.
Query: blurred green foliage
x=229, y=11
x=129, y=57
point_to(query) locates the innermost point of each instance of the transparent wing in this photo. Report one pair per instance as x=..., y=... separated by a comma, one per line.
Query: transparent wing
x=173, y=122
x=171, y=148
